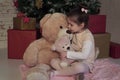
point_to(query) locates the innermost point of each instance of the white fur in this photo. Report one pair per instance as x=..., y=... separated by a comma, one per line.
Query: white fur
x=37, y=76
x=40, y=72
x=63, y=64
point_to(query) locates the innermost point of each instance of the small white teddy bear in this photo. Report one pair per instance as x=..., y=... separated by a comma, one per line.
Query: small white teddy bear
x=62, y=44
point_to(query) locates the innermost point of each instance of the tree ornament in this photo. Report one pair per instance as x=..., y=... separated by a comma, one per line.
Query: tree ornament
x=15, y=3
x=38, y=3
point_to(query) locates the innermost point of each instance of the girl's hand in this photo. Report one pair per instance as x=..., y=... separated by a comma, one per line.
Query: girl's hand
x=63, y=54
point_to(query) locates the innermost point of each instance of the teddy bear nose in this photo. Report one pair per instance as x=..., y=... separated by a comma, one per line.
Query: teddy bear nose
x=68, y=48
x=68, y=31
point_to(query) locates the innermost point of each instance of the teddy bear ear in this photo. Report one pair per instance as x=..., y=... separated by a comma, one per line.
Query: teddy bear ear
x=44, y=19
x=53, y=48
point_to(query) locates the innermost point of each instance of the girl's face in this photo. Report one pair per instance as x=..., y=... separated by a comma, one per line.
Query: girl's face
x=74, y=27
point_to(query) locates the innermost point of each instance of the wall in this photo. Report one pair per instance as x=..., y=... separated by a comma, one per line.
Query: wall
x=7, y=12
x=111, y=9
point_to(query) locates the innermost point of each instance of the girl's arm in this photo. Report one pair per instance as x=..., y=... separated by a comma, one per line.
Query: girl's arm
x=88, y=46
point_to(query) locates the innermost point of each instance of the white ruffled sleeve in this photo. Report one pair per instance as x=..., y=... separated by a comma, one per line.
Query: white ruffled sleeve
x=86, y=50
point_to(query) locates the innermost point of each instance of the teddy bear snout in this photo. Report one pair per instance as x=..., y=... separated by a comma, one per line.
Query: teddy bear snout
x=68, y=31
x=68, y=48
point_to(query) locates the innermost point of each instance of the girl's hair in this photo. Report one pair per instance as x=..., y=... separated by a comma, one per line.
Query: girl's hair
x=80, y=16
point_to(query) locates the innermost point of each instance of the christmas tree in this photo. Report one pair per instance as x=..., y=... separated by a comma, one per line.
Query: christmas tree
x=38, y=8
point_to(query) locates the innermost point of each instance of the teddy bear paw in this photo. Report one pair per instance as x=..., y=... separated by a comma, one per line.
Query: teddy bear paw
x=37, y=76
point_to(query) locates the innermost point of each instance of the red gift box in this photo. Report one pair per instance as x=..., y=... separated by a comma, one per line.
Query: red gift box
x=18, y=41
x=97, y=23
x=114, y=50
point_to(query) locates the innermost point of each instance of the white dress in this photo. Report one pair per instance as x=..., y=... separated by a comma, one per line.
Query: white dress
x=84, y=48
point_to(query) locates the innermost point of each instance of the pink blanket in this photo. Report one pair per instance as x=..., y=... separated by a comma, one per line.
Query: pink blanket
x=104, y=69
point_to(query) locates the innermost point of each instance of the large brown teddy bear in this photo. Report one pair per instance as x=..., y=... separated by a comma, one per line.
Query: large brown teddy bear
x=39, y=52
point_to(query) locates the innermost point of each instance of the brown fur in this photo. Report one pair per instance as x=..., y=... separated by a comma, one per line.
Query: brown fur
x=39, y=51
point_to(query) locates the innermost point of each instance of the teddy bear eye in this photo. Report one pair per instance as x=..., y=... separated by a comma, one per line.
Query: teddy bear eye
x=63, y=47
x=61, y=27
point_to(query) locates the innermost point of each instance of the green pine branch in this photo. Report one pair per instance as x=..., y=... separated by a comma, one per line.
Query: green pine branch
x=50, y=6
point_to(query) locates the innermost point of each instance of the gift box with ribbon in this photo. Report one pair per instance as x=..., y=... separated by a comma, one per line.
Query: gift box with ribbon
x=24, y=23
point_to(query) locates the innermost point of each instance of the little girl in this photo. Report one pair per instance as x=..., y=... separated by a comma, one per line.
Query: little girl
x=82, y=43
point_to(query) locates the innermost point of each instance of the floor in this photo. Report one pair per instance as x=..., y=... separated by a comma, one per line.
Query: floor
x=9, y=68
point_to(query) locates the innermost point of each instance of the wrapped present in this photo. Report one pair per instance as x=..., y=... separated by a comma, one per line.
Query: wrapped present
x=114, y=50
x=24, y=23
x=102, y=41
x=97, y=23
x=18, y=41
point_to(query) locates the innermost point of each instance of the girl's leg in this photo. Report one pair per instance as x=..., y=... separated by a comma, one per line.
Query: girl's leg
x=55, y=63
x=75, y=68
